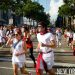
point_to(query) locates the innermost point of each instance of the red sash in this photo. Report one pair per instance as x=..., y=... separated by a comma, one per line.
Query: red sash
x=39, y=58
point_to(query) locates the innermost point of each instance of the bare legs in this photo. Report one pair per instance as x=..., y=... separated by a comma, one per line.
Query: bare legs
x=23, y=70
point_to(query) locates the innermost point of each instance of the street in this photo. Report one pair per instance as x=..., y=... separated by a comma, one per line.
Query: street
x=63, y=58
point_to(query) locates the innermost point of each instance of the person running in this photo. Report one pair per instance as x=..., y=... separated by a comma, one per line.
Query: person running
x=2, y=39
x=18, y=53
x=73, y=43
x=69, y=37
x=58, y=36
x=29, y=44
x=46, y=45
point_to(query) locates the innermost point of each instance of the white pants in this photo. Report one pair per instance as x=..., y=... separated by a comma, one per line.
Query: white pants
x=49, y=59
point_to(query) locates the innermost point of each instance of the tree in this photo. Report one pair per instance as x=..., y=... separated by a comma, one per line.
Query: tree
x=31, y=9
x=68, y=8
x=14, y=7
x=27, y=8
x=64, y=10
x=35, y=11
x=67, y=11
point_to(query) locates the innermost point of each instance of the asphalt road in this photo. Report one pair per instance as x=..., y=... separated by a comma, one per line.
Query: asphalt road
x=63, y=57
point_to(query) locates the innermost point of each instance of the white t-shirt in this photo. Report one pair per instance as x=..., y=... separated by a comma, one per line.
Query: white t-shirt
x=46, y=38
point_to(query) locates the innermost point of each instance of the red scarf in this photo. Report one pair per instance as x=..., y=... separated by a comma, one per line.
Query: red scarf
x=43, y=32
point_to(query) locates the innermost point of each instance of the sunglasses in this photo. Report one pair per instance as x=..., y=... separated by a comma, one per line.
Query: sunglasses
x=16, y=34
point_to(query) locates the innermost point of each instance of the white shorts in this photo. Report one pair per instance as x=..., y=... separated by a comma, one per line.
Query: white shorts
x=19, y=60
x=49, y=59
x=20, y=64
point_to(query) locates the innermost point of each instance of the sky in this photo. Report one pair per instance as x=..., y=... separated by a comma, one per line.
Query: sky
x=45, y=3
x=51, y=7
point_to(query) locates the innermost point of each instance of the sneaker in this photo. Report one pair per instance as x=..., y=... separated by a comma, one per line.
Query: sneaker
x=35, y=65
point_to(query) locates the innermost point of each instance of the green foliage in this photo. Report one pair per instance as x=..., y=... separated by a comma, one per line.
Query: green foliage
x=68, y=8
x=35, y=11
x=14, y=5
x=64, y=10
x=31, y=9
x=25, y=8
x=69, y=1
x=3, y=7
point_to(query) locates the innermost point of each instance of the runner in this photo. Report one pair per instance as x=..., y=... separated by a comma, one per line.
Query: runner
x=18, y=53
x=29, y=44
x=58, y=36
x=69, y=34
x=45, y=59
x=2, y=39
x=73, y=44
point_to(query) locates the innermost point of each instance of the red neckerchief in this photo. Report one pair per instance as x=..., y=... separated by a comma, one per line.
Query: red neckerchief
x=44, y=32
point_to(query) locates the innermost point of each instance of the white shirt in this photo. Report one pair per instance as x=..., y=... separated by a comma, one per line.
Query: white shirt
x=46, y=38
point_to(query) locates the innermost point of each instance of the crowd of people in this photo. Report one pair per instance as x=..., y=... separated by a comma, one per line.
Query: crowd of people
x=19, y=39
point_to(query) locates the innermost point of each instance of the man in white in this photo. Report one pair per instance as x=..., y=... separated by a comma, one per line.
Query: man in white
x=46, y=46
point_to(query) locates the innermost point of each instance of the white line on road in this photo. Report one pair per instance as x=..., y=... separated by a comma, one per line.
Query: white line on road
x=12, y=69
x=56, y=63
x=6, y=68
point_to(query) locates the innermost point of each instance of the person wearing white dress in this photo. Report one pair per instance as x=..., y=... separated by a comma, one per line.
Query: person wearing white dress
x=18, y=54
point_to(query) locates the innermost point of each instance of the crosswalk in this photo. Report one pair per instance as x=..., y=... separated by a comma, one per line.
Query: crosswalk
x=63, y=59
x=29, y=61
x=6, y=68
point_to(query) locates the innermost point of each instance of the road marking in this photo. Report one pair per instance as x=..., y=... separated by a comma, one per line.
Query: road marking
x=31, y=70
x=56, y=63
x=6, y=68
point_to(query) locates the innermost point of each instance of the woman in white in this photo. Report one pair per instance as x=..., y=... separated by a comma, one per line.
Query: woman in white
x=46, y=46
x=18, y=54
